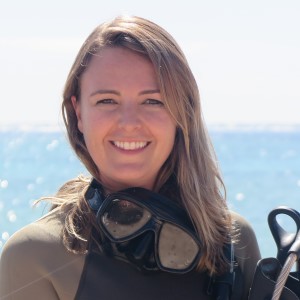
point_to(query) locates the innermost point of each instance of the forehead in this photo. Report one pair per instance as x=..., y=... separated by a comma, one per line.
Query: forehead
x=118, y=57
x=115, y=65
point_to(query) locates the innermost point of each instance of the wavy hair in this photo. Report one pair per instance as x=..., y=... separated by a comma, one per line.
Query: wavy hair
x=192, y=161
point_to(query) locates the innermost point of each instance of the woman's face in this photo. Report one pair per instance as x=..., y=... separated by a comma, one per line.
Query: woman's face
x=127, y=129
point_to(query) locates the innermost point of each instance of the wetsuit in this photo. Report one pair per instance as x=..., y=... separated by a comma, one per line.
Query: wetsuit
x=35, y=265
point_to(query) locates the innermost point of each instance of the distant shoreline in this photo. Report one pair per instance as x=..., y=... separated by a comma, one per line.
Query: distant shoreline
x=211, y=127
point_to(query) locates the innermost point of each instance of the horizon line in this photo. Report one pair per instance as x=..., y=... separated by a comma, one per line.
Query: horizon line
x=274, y=127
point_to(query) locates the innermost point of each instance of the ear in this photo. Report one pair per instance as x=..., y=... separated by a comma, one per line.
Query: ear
x=77, y=109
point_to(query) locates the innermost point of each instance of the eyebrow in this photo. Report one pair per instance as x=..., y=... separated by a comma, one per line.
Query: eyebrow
x=156, y=91
x=104, y=92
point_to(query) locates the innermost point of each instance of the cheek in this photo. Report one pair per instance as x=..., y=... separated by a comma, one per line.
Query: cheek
x=167, y=133
x=90, y=120
x=169, y=127
x=95, y=128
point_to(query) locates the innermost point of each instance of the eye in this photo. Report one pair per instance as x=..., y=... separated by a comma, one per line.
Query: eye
x=106, y=101
x=154, y=102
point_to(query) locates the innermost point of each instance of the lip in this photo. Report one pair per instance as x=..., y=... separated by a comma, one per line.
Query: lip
x=130, y=146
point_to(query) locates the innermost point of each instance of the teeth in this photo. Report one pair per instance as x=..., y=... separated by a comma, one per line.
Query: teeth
x=130, y=145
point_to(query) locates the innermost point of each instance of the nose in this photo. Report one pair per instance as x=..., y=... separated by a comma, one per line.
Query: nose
x=129, y=118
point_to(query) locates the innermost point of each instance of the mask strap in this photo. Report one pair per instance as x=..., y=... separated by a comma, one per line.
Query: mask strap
x=222, y=286
x=94, y=195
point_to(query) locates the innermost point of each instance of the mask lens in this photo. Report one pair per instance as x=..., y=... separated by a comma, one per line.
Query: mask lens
x=123, y=218
x=176, y=249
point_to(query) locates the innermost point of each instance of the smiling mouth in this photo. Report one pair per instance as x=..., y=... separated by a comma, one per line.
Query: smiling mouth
x=130, y=145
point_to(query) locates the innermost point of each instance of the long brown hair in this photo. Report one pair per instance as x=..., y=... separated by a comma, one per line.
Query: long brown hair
x=192, y=161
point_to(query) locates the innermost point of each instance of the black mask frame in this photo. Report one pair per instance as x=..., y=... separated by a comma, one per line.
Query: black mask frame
x=179, y=249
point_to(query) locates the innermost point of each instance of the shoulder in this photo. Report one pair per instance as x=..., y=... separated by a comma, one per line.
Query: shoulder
x=242, y=225
x=34, y=258
x=245, y=238
x=43, y=231
x=32, y=243
x=246, y=248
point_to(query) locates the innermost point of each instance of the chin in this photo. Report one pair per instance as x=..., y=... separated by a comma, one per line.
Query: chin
x=123, y=183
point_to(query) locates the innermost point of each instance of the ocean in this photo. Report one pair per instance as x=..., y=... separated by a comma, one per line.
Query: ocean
x=260, y=167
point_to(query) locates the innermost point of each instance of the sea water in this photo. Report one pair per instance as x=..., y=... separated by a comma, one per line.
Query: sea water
x=260, y=168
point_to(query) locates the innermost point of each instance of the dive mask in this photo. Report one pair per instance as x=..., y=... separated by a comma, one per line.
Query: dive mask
x=150, y=230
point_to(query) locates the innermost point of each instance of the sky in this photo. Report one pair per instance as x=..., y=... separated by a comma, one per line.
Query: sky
x=245, y=55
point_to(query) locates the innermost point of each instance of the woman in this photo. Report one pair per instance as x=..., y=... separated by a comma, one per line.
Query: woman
x=132, y=112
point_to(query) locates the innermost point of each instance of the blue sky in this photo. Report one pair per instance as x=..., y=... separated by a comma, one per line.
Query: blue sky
x=244, y=54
